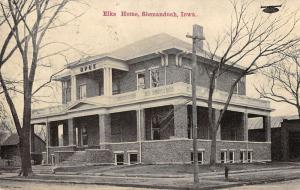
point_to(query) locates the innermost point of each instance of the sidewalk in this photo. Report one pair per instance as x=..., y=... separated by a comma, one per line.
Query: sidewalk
x=212, y=181
x=143, y=182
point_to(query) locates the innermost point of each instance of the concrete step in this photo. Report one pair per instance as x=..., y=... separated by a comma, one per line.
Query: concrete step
x=39, y=169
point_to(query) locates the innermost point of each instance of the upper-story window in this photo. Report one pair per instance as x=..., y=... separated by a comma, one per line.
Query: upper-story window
x=116, y=87
x=154, y=78
x=188, y=75
x=66, y=87
x=236, y=89
x=140, y=77
x=82, y=91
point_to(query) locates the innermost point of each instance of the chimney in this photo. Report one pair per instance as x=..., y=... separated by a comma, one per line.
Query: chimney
x=198, y=32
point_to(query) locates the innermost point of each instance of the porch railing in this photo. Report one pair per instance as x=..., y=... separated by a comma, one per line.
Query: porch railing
x=172, y=90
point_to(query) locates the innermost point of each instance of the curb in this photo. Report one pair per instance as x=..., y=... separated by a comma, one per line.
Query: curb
x=234, y=184
x=122, y=175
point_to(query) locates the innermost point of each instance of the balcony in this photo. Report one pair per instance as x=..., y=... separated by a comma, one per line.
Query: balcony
x=158, y=93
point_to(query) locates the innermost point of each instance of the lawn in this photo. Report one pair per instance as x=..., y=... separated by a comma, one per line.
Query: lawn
x=172, y=169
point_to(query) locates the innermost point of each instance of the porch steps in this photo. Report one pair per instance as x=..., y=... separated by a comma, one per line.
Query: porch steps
x=78, y=158
x=40, y=169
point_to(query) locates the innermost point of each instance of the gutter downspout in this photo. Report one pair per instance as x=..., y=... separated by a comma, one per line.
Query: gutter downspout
x=140, y=139
x=165, y=63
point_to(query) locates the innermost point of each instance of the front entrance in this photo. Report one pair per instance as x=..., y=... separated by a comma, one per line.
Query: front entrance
x=81, y=136
x=86, y=131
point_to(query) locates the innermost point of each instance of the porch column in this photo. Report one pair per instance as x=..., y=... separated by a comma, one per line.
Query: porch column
x=71, y=132
x=32, y=138
x=107, y=78
x=245, y=126
x=180, y=121
x=105, y=130
x=267, y=128
x=140, y=116
x=47, y=141
x=217, y=115
x=73, y=88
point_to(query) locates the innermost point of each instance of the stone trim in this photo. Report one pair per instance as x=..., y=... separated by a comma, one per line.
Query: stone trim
x=132, y=151
x=199, y=149
x=140, y=71
x=118, y=152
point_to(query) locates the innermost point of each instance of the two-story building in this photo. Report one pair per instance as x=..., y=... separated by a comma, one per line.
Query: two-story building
x=133, y=105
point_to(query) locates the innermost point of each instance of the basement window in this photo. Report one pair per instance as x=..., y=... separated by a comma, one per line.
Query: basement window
x=119, y=159
x=200, y=157
x=132, y=158
x=223, y=155
x=231, y=157
x=250, y=156
x=243, y=156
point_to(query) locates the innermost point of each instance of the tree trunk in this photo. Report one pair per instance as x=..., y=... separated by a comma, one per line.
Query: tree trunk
x=24, y=147
x=213, y=149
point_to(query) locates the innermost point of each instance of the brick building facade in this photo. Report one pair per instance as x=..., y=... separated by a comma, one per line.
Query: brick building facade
x=133, y=105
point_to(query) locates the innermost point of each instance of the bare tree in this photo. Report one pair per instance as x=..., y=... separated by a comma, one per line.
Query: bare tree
x=251, y=38
x=283, y=81
x=5, y=122
x=28, y=22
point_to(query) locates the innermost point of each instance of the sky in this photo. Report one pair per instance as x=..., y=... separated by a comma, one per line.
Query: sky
x=93, y=33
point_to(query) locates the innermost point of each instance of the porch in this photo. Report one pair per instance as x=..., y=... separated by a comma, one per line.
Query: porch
x=142, y=131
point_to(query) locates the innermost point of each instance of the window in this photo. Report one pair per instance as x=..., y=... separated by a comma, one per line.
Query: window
x=250, y=154
x=155, y=126
x=236, y=89
x=132, y=158
x=200, y=157
x=140, y=80
x=190, y=127
x=243, y=156
x=101, y=90
x=155, y=133
x=188, y=75
x=154, y=78
x=119, y=158
x=82, y=91
x=116, y=87
x=66, y=86
x=223, y=156
x=231, y=157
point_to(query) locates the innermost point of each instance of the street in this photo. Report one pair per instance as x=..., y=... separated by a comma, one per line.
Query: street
x=290, y=185
x=13, y=185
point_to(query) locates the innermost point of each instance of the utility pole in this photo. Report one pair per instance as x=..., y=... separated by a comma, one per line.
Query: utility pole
x=197, y=37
